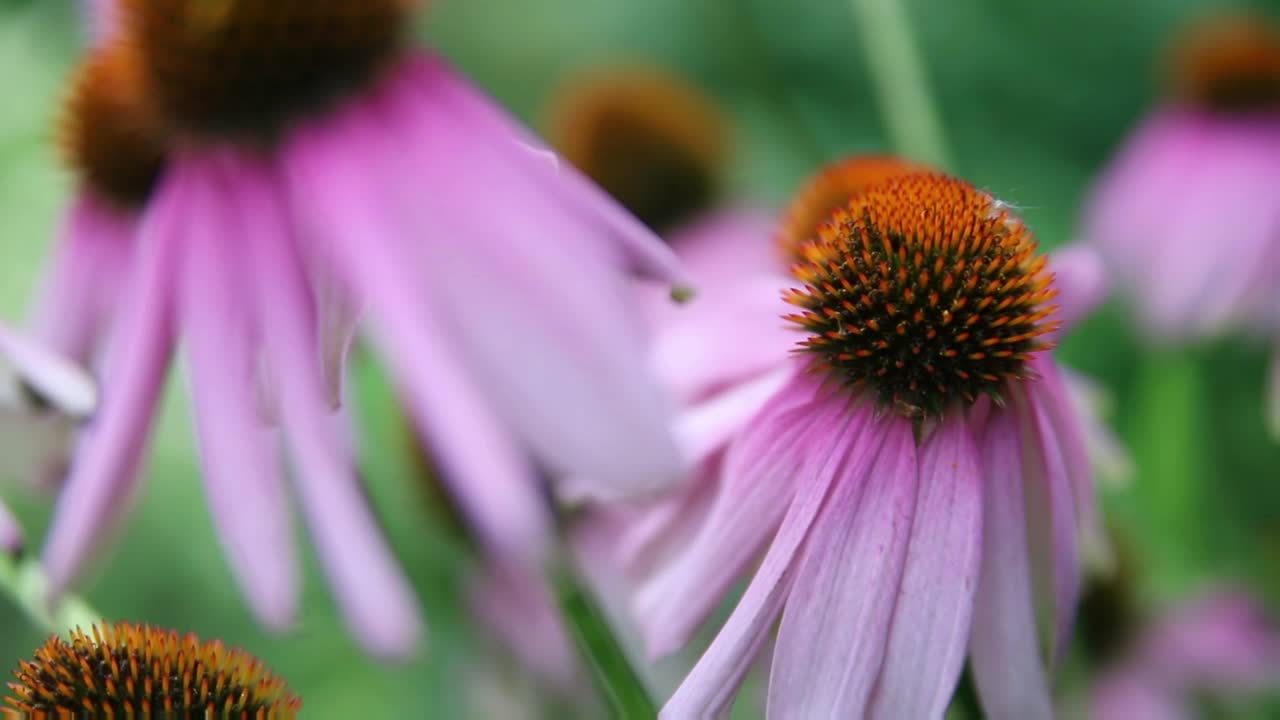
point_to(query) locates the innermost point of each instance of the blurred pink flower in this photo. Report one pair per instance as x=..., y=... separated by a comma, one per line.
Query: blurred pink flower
x=42, y=399
x=496, y=282
x=1221, y=644
x=885, y=548
x=1186, y=215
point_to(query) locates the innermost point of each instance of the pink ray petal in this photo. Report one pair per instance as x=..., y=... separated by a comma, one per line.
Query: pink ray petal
x=705, y=428
x=55, y=380
x=1080, y=276
x=1052, y=529
x=758, y=484
x=10, y=531
x=241, y=464
x=652, y=537
x=74, y=305
x=491, y=477
x=930, y=632
x=544, y=316
x=835, y=629
x=1004, y=647
x=104, y=475
x=371, y=589
x=842, y=453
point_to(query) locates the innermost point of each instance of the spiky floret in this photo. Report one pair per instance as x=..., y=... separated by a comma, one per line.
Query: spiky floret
x=110, y=134
x=924, y=291
x=137, y=671
x=649, y=139
x=1228, y=63
x=219, y=67
x=829, y=189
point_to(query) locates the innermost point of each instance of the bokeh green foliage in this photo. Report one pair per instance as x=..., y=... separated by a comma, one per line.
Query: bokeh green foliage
x=1034, y=97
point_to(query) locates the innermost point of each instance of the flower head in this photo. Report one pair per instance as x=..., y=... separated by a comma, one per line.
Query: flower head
x=139, y=671
x=320, y=175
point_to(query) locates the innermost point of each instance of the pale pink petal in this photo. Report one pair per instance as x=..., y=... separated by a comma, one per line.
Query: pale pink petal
x=338, y=314
x=1091, y=402
x=1222, y=641
x=653, y=536
x=834, y=631
x=726, y=245
x=371, y=589
x=10, y=531
x=1081, y=279
x=104, y=475
x=842, y=452
x=543, y=313
x=239, y=456
x=56, y=381
x=930, y=632
x=514, y=604
x=705, y=428
x=101, y=17
x=1128, y=695
x=1004, y=647
x=76, y=300
x=757, y=485
x=1052, y=530
x=333, y=198
x=561, y=183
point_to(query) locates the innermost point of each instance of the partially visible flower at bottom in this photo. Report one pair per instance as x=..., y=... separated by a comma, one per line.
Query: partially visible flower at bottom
x=1220, y=645
x=128, y=670
x=43, y=397
x=918, y=474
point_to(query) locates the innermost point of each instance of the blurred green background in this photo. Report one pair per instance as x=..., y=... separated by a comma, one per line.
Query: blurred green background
x=1034, y=97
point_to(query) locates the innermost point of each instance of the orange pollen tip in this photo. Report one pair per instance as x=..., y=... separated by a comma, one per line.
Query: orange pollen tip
x=926, y=290
x=119, y=670
x=651, y=140
x=110, y=133
x=236, y=67
x=829, y=190
x=1227, y=63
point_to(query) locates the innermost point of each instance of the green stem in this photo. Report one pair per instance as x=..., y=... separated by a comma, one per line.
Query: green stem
x=25, y=581
x=897, y=72
x=599, y=649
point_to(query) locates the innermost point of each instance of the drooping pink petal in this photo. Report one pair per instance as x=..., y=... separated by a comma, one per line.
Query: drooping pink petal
x=513, y=603
x=705, y=428
x=835, y=629
x=1107, y=455
x=372, y=592
x=841, y=451
x=334, y=197
x=75, y=303
x=562, y=184
x=338, y=313
x=1004, y=646
x=104, y=475
x=56, y=381
x=238, y=454
x=1052, y=531
x=929, y=635
x=758, y=483
x=1081, y=279
x=542, y=312
x=654, y=535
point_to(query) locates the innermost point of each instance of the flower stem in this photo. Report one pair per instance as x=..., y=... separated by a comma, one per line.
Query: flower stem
x=897, y=72
x=598, y=647
x=25, y=582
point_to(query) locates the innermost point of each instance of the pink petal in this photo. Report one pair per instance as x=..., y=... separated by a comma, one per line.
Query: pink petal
x=10, y=531
x=337, y=199
x=1127, y=695
x=930, y=631
x=104, y=475
x=1081, y=279
x=1053, y=533
x=1223, y=641
x=707, y=427
x=1004, y=649
x=833, y=636
x=757, y=485
x=77, y=299
x=1107, y=454
x=512, y=602
x=841, y=451
x=657, y=534
x=241, y=465
x=56, y=381
x=542, y=312
x=372, y=591
x=560, y=181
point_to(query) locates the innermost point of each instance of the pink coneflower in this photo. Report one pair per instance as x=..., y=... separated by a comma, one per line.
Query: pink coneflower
x=916, y=469
x=1187, y=214
x=1218, y=646
x=316, y=171
x=42, y=399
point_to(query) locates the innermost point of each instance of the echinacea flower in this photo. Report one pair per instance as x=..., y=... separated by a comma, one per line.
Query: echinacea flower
x=43, y=397
x=317, y=171
x=1187, y=215
x=915, y=469
x=1219, y=645
x=127, y=670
